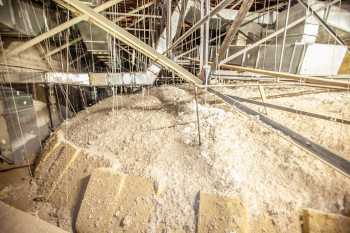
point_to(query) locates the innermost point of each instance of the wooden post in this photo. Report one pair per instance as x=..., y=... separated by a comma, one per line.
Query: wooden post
x=232, y=32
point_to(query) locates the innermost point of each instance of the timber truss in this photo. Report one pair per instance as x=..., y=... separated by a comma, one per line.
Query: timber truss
x=166, y=54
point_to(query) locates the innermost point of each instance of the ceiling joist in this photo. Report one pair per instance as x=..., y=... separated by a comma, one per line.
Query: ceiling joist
x=58, y=29
x=129, y=39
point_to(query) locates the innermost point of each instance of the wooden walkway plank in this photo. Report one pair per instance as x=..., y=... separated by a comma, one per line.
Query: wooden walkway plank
x=315, y=221
x=115, y=202
x=16, y=221
x=221, y=214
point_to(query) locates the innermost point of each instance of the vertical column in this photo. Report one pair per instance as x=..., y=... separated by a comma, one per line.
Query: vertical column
x=168, y=25
x=169, y=30
x=53, y=106
x=204, y=41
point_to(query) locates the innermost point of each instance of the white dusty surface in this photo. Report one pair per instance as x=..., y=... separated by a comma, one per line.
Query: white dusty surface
x=329, y=134
x=154, y=134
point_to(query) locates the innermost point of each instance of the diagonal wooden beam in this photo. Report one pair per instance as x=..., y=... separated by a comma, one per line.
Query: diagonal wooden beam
x=297, y=77
x=292, y=110
x=78, y=58
x=79, y=39
x=233, y=30
x=323, y=23
x=65, y=6
x=261, y=13
x=53, y=52
x=307, y=79
x=129, y=39
x=133, y=15
x=137, y=10
x=58, y=29
x=217, y=9
x=276, y=33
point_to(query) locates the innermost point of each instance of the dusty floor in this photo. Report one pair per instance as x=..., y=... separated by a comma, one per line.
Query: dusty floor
x=154, y=134
x=19, y=190
x=330, y=134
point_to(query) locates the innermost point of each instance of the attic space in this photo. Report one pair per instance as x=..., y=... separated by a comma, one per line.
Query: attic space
x=174, y=116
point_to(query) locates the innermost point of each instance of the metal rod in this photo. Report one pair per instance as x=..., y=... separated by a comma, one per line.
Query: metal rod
x=269, y=37
x=133, y=15
x=323, y=154
x=218, y=7
x=284, y=37
x=233, y=30
x=307, y=79
x=129, y=39
x=197, y=113
x=59, y=28
x=324, y=24
x=329, y=83
x=67, y=45
x=292, y=110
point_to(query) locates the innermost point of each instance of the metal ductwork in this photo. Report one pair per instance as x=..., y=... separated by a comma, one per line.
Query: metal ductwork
x=24, y=17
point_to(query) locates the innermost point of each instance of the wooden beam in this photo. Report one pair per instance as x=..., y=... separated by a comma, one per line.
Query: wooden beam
x=65, y=6
x=129, y=39
x=232, y=32
x=262, y=12
x=137, y=10
x=273, y=35
x=323, y=23
x=218, y=8
x=314, y=81
x=319, y=152
x=16, y=221
x=77, y=59
x=140, y=29
x=315, y=221
x=291, y=110
x=307, y=79
x=58, y=29
x=67, y=45
x=133, y=15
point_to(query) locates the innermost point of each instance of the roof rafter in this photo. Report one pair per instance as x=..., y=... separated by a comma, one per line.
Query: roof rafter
x=232, y=32
x=129, y=39
x=273, y=35
x=218, y=8
x=323, y=23
x=67, y=45
x=58, y=29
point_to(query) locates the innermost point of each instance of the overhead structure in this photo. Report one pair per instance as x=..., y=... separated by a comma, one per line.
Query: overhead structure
x=132, y=41
x=67, y=45
x=219, y=7
x=233, y=30
x=134, y=11
x=300, y=78
x=59, y=29
x=323, y=23
x=112, y=85
x=135, y=47
x=273, y=35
